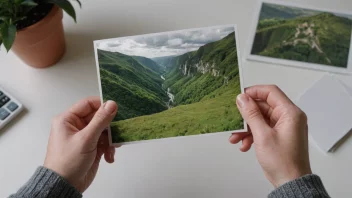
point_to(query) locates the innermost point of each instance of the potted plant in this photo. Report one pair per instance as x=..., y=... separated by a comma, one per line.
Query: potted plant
x=33, y=29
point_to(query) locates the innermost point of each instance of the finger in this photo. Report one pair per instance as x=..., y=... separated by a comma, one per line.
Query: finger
x=109, y=154
x=89, y=117
x=104, y=145
x=71, y=120
x=85, y=106
x=270, y=115
x=100, y=153
x=237, y=137
x=251, y=113
x=103, y=140
x=246, y=143
x=100, y=121
x=269, y=93
x=265, y=108
x=94, y=168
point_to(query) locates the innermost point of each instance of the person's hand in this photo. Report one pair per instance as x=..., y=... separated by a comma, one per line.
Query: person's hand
x=76, y=142
x=279, y=131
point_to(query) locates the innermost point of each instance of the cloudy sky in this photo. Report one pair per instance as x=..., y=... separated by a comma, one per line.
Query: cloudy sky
x=165, y=44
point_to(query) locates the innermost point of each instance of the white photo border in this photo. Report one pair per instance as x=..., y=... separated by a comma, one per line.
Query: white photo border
x=294, y=63
x=245, y=129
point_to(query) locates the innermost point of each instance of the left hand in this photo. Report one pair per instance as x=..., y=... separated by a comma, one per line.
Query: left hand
x=76, y=142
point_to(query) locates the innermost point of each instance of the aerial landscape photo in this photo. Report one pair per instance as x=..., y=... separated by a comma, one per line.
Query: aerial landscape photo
x=171, y=84
x=305, y=35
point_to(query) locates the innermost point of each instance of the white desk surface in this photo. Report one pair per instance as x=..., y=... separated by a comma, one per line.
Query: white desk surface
x=204, y=167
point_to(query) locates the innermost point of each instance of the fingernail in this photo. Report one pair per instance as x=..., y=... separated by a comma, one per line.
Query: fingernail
x=242, y=99
x=110, y=106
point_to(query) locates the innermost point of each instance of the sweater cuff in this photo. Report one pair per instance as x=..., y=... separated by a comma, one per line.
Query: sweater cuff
x=309, y=186
x=47, y=183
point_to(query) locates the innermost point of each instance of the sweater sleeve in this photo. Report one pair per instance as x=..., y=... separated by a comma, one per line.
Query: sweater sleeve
x=46, y=183
x=308, y=186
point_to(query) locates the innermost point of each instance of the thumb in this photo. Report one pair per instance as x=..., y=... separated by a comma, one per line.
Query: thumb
x=252, y=114
x=100, y=120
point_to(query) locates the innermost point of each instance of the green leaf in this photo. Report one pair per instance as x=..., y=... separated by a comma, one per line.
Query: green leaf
x=3, y=18
x=79, y=3
x=8, y=33
x=29, y=3
x=18, y=1
x=65, y=5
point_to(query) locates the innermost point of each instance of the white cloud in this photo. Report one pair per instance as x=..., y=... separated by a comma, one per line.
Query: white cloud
x=165, y=44
x=175, y=42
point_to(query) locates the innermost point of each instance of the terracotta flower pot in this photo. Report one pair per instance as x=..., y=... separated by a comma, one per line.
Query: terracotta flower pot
x=43, y=43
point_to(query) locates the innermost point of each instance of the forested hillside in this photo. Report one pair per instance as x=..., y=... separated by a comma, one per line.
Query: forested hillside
x=150, y=64
x=197, y=74
x=322, y=38
x=165, y=61
x=136, y=88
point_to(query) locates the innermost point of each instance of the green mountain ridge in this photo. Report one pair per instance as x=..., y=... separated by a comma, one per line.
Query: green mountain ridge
x=323, y=39
x=164, y=61
x=270, y=11
x=196, y=74
x=150, y=64
x=136, y=88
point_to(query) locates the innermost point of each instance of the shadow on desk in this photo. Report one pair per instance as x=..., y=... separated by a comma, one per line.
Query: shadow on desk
x=13, y=122
x=342, y=141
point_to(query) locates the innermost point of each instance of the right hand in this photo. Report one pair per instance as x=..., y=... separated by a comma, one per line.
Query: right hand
x=279, y=131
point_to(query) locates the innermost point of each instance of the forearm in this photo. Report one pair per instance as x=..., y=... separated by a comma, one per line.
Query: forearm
x=46, y=183
x=308, y=186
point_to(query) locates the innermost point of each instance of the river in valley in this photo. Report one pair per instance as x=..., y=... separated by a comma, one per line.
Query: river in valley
x=170, y=95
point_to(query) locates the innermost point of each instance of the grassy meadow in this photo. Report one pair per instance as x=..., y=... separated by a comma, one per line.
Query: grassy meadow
x=213, y=114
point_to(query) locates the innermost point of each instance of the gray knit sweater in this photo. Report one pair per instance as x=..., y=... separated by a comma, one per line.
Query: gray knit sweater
x=46, y=183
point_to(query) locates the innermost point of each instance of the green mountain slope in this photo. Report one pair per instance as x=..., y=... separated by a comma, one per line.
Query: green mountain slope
x=210, y=115
x=150, y=64
x=197, y=74
x=164, y=61
x=323, y=39
x=136, y=88
x=269, y=11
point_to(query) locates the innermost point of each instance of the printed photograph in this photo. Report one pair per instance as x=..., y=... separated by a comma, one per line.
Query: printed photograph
x=311, y=36
x=171, y=84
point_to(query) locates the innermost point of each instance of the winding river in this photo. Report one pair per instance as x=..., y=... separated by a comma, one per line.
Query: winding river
x=170, y=95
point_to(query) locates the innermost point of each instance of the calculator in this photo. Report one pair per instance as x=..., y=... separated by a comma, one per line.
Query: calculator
x=9, y=107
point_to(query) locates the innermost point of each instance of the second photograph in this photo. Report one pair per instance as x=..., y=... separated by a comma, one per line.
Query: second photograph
x=301, y=36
